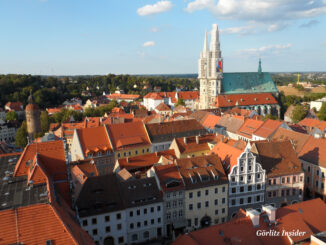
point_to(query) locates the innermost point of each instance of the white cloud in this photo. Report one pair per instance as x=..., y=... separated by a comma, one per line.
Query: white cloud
x=154, y=29
x=240, y=30
x=309, y=24
x=149, y=44
x=260, y=10
x=275, y=48
x=276, y=27
x=159, y=7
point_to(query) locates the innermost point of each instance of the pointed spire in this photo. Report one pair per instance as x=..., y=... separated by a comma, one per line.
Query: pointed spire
x=259, y=66
x=205, y=43
x=30, y=97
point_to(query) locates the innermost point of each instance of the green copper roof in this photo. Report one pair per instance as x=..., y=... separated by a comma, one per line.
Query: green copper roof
x=248, y=82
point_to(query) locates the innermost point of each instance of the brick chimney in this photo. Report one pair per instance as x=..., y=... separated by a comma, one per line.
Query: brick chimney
x=197, y=139
x=185, y=140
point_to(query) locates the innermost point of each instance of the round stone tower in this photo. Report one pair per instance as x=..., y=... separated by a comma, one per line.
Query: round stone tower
x=32, y=118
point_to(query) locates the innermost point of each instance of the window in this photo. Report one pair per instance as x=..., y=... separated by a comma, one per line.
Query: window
x=223, y=220
x=258, y=187
x=216, y=201
x=308, y=168
x=138, y=212
x=159, y=220
x=274, y=193
x=174, y=204
x=94, y=232
x=168, y=205
x=223, y=210
x=258, y=176
x=317, y=172
x=269, y=194
x=134, y=237
x=152, y=221
x=196, y=221
x=158, y=208
x=198, y=193
x=145, y=223
x=223, y=189
x=308, y=179
x=233, y=202
x=119, y=226
x=206, y=192
x=241, y=189
x=152, y=209
x=94, y=221
x=300, y=191
x=223, y=200
x=107, y=218
x=145, y=211
x=168, y=195
x=216, y=190
x=120, y=239
x=175, y=214
x=293, y=192
x=147, y=149
x=270, y=182
x=188, y=222
x=108, y=228
x=124, y=154
x=190, y=195
x=199, y=205
x=288, y=180
x=131, y=225
x=180, y=213
x=249, y=200
x=216, y=211
x=258, y=198
x=274, y=181
x=136, y=152
x=282, y=193
x=129, y=153
x=143, y=151
x=294, y=179
x=233, y=179
x=190, y=206
x=249, y=177
x=118, y=216
x=233, y=190
x=119, y=155
x=241, y=178
x=301, y=178
x=138, y=224
x=316, y=183
x=241, y=200
x=85, y=222
x=146, y=234
x=249, y=188
x=180, y=203
x=206, y=204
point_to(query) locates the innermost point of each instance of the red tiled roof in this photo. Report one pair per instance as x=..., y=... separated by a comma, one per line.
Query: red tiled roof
x=36, y=224
x=307, y=217
x=53, y=110
x=244, y=100
x=228, y=154
x=163, y=107
x=188, y=95
x=94, y=140
x=210, y=121
x=123, y=96
x=314, y=151
x=144, y=161
x=192, y=146
x=166, y=173
x=268, y=128
x=249, y=127
x=124, y=134
x=15, y=106
x=309, y=122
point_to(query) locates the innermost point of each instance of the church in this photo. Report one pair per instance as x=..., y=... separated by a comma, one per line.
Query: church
x=250, y=90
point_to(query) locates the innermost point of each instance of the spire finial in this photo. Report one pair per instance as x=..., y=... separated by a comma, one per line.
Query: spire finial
x=30, y=97
x=205, y=43
x=259, y=66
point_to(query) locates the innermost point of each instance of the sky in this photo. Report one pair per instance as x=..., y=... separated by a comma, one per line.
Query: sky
x=89, y=37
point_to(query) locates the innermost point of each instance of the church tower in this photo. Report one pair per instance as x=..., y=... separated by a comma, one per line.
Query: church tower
x=210, y=70
x=33, y=120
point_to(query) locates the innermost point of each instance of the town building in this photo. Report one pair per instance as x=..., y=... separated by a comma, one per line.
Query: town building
x=16, y=107
x=228, y=125
x=162, y=134
x=172, y=186
x=246, y=131
x=33, y=120
x=163, y=110
x=267, y=129
x=206, y=197
x=7, y=132
x=246, y=177
x=227, y=90
x=317, y=103
x=301, y=223
x=284, y=175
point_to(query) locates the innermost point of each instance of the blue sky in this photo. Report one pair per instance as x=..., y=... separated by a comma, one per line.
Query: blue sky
x=70, y=37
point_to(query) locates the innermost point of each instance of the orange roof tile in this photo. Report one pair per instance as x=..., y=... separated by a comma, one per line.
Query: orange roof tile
x=314, y=151
x=15, y=106
x=36, y=224
x=188, y=95
x=228, y=154
x=163, y=107
x=267, y=128
x=123, y=96
x=309, y=122
x=249, y=127
x=166, y=173
x=94, y=140
x=192, y=145
x=210, y=121
x=244, y=100
x=126, y=135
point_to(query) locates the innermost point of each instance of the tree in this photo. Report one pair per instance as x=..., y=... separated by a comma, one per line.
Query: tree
x=180, y=102
x=299, y=112
x=322, y=112
x=11, y=116
x=21, y=135
x=45, y=122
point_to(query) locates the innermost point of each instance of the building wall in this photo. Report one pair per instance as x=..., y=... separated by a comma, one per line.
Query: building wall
x=76, y=151
x=151, y=104
x=161, y=146
x=105, y=225
x=194, y=154
x=217, y=210
x=33, y=122
x=145, y=219
x=7, y=134
x=315, y=180
x=284, y=190
x=246, y=183
x=131, y=152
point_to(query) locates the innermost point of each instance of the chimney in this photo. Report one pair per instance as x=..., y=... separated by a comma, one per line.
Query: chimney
x=254, y=216
x=197, y=139
x=271, y=212
x=127, y=159
x=185, y=140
